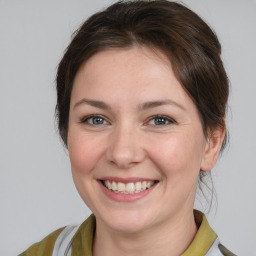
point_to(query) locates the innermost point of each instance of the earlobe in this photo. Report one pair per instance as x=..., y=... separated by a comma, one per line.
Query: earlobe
x=212, y=148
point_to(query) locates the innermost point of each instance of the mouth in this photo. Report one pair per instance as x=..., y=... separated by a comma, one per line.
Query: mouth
x=128, y=188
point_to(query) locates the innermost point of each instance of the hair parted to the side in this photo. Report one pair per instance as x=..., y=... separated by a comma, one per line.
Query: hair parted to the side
x=191, y=46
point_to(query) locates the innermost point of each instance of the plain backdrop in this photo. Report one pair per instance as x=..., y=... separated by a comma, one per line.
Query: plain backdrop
x=37, y=194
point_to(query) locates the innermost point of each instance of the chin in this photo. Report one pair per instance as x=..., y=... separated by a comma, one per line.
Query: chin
x=126, y=222
x=129, y=227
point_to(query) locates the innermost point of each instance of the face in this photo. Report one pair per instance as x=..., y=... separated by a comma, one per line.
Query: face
x=135, y=140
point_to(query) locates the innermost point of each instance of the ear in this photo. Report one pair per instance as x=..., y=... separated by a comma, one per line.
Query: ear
x=212, y=148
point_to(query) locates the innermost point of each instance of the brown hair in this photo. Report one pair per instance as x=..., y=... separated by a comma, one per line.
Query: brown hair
x=191, y=46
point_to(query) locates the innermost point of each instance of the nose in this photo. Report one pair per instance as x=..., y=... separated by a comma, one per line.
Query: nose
x=126, y=148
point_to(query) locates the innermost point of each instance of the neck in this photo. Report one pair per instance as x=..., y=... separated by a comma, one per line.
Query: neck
x=170, y=238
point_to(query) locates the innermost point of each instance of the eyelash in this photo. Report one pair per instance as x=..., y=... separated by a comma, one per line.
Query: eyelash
x=87, y=118
x=167, y=120
x=163, y=118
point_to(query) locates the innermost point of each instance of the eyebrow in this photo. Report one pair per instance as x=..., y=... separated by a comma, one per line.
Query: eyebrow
x=141, y=107
x=154, y=104
x=94, y=103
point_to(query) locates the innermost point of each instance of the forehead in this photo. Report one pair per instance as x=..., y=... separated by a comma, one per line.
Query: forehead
x=127, y=59
x=126, y=71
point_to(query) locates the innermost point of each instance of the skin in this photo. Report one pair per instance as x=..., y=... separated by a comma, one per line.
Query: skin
x=129, y=144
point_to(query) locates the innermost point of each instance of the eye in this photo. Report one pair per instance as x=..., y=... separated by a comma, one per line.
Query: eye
x=94, y=120
x=160, y=120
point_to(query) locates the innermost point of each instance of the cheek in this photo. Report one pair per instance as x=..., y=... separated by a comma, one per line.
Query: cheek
x=83, y=152
x=178, y=155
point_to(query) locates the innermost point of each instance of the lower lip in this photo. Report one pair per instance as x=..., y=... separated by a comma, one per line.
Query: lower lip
x=119, y=197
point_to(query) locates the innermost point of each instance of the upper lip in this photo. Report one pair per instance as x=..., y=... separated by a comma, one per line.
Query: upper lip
x=126, y=180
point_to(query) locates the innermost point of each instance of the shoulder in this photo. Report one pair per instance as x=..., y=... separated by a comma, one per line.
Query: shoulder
x=81, y=239
x=44, y=247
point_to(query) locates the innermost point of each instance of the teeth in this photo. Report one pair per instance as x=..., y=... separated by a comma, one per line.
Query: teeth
x=114, y=185
x=138, y=186
x=129, y=188
x=144, y=185
x=149, y=184
x=121, y=187
x=108, y=184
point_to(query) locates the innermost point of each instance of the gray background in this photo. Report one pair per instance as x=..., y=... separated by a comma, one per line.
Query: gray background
x=37, y=194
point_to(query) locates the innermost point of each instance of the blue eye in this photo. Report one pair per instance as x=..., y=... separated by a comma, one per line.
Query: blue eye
x=94, y=120
x=160, y=121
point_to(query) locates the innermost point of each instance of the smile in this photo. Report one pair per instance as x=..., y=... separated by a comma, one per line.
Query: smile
x=128, y=188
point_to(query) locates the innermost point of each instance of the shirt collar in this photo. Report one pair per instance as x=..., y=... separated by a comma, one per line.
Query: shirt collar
x=204, y=238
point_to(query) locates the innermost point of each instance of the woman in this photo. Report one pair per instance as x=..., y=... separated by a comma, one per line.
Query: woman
x=142, y=95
